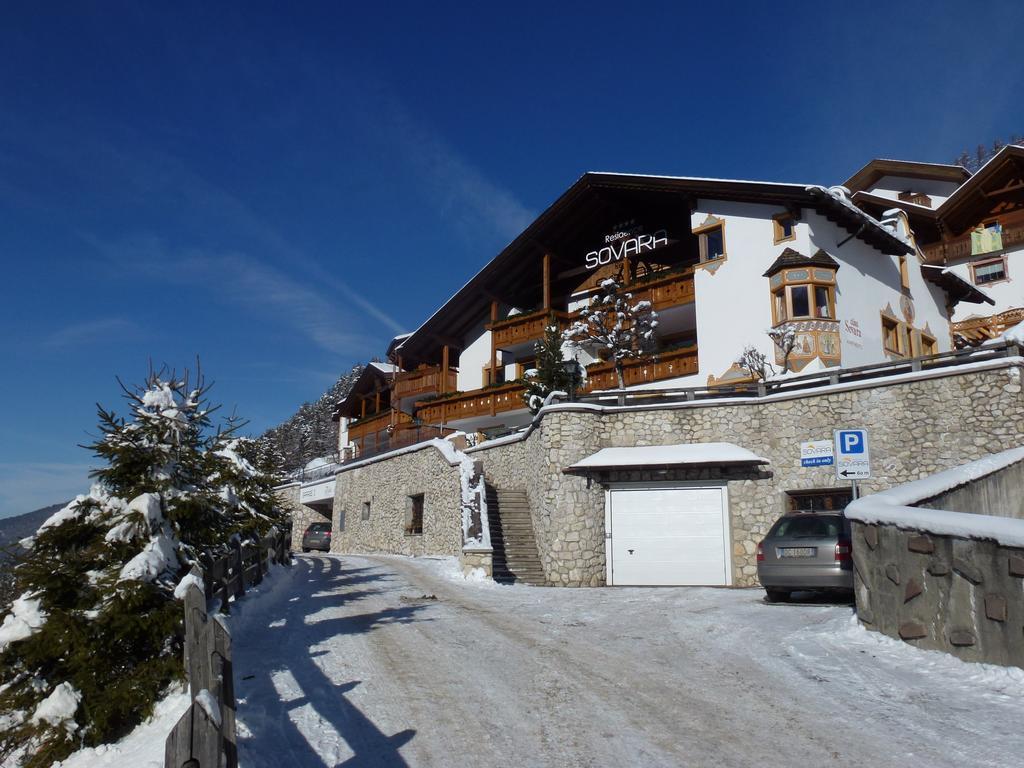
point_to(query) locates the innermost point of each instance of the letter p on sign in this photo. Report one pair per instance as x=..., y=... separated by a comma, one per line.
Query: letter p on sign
x=851, y=442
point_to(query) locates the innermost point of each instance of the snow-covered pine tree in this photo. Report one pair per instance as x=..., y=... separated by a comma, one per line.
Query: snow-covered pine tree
x=549, y=373
x=94, y=638
x=615, y=327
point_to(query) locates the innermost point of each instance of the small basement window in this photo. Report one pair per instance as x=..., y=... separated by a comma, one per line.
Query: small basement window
x=414, y=515
x=366, y=510
x=821, y=500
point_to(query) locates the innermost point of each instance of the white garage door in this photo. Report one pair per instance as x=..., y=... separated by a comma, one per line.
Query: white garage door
x=668, y=536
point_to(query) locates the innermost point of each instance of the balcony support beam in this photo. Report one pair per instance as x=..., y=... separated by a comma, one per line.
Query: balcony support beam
x=494, y=347
x=547, y=281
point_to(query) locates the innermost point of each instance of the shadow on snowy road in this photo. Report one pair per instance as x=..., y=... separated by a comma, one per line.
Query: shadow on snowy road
x=292, y=713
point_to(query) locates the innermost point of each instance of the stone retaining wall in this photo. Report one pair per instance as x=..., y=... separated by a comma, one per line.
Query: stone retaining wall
x=945, y=593
x=916, y=428
x=387, y=486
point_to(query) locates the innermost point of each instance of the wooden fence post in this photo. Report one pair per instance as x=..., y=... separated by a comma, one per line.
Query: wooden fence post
x=238, y=566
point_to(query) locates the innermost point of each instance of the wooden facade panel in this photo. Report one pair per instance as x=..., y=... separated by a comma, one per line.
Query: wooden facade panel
x=522, y=329
x=423, y=381
x=669, y=365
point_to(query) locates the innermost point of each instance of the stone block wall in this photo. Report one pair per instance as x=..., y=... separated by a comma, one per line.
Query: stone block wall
x=387, y=486
x=946, y=593
x=916, y=428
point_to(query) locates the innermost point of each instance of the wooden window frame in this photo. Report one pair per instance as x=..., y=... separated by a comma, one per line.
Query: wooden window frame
x=898, y=330
x=904, y=274
x=778, y=234
x=786, y=291
x=702, y=231
x=990, y=260
x=488, y=377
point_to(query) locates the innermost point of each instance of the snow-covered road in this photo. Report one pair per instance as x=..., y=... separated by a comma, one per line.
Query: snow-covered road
x=389, y=661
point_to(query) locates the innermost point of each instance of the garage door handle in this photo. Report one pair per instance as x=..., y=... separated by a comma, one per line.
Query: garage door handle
x=630, y=551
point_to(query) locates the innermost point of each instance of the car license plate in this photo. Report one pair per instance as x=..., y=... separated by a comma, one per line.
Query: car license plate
x=797, y=552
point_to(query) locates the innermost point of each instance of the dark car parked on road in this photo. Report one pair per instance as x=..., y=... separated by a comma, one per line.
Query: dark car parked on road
x=806, y=551
x=317, y=536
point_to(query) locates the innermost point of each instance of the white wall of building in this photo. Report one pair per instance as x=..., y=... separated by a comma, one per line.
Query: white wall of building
x=474, y=358
x=892, y=186
x=868, y=281
x=1007, y=294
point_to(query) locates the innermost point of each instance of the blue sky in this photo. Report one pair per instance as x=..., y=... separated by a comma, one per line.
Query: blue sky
x=280, y=188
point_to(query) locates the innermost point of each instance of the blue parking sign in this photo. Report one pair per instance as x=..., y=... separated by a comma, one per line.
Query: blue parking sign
x=853, y=459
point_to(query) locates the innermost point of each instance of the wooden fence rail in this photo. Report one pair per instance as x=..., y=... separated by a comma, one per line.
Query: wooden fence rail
x=204, y=737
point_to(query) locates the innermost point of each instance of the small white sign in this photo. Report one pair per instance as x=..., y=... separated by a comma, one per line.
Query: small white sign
x=816, y=453
x=853, y=458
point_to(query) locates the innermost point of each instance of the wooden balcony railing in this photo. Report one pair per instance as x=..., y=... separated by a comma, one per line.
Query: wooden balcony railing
x=521, y=329
x=369, y=424
x=667, y=365
x=960, y=248
x=479, y=402
x=664, y=292
x=424, y=381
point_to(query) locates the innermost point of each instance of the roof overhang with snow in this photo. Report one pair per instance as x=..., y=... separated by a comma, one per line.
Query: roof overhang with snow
x=880, y=167
x=955, y=286
x=595, y=203
x=677, y=456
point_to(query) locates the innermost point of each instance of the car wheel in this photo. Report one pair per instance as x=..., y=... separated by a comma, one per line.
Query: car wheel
x=776, y=595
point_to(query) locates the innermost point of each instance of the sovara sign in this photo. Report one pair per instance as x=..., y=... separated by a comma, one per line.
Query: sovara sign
x=622, y=245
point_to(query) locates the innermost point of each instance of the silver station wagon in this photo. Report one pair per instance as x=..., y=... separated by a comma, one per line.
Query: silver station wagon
x=806, y=551
x=317, y=536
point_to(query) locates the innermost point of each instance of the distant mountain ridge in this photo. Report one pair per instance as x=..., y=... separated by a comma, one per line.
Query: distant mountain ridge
x=13, y=530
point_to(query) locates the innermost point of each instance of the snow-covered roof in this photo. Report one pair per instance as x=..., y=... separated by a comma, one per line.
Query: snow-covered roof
x=385, y=367
x=665, y=456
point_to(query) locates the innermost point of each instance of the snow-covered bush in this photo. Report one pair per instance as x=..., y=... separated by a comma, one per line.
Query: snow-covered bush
x=94, y=637
x=615, y=327
x=549, y=373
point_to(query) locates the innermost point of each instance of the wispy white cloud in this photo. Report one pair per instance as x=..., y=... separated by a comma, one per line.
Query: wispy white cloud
x=91, y=331
x=457, y=188
x=27, y=486
x=246, y=282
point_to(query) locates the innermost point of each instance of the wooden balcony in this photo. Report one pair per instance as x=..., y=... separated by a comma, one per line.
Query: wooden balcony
x=426, y=380
x=664, y=292
x=667, y=365
x=479, y=402
x=522, y=329
x=960, y=248
x=368, y=425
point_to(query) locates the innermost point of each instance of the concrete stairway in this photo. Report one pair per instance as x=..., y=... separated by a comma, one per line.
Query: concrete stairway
x=515, y=557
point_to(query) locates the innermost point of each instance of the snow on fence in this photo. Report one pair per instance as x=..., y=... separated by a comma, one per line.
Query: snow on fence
x=204, y=737
x=909, y=369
